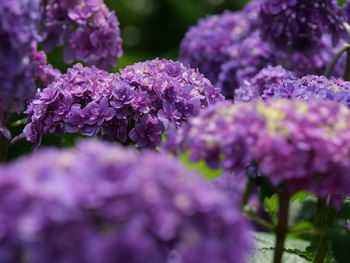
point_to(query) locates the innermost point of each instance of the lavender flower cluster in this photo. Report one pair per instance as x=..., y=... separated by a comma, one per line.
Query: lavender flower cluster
x=17, y=35
x=102, y=203
x=298, y=24
x=305, y=144
x=89, y=29
x=44, y=72
x=256, y=86
x=137, y=104
x=230, y=60
x=311, y=87
x=279, y=83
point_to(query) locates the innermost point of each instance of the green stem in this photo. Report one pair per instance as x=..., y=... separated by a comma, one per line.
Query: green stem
x=335, y=60
x=323, y=242
x=247, y=193
x=319, y=219
x=260, y=221
x=4, y=143
x=282, y=227
x=346, y=75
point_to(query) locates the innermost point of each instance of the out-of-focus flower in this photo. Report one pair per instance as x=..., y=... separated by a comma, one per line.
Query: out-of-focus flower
x=246, y=59
x=138, y=104
x=17, y=36
x=305, y=145
x=204, y=44
x=44, y=71
x=90, y=31
x=103, y=203
x=256, y=86
x=297, y=24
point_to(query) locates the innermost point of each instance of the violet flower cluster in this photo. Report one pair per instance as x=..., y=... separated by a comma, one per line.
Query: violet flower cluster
x=267, y=77
x=17, y=35
x=229, y=59
x=102, y=203
x=304, y=144
x=89, y=30
x=204, y=44
x=309, y=88
x=136, y=105
x=298, y=24
x=44, y=72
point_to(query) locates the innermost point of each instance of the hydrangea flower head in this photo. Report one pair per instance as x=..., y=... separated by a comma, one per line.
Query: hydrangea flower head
x=17, y=36
x=255, y=87
x=89, y=29
x=297, y=24
x=103, y=203
x=136, y=105
x=302, y=144
x=311, y=87
x=204, y=44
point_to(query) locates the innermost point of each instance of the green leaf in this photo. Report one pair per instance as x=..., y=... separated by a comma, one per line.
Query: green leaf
x=341, y=2
x=340, y=240
x=265, y=255
x=200, y=167
x=295, y=249
x=301, y=196
x=271, y=206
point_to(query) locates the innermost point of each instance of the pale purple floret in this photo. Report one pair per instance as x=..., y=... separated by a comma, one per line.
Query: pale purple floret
x=88, y=29
x=103, y=203
x=304, y=144
x=136, y=105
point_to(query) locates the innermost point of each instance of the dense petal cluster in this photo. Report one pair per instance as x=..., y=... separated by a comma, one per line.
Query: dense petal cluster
x=44, y=72
x=228, y=58
x=17, y=35
x=102, y=203
x=138, y=104
x=304, y=144
x=256, y=86
x=297, y=24
x=90, y=31
x=204, y=44
x=311, y=87
x=246, y=59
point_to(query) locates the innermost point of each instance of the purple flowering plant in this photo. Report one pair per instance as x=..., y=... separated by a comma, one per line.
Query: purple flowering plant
x=237, y=153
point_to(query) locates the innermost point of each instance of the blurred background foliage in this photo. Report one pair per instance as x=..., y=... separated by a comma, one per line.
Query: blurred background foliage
x=155, y=28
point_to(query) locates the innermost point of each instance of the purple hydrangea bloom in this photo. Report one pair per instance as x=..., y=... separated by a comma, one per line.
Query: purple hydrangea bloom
x=204, y=44
x=311, y=87
x=306, y=145
x=17, y=36
x=297, y=24
x=89, y=29
x=138, y=104
x=246, y=58
x=252, y=54
x=256, y=86
x=44, y=71
x=103, y=203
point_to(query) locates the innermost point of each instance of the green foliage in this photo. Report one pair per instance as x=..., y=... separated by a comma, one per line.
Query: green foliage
x=340, y=243
x=341, y=2
x=295, y=250
x=200, y=167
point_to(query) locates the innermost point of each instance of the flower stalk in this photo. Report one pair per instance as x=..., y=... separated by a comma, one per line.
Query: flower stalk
x=282, y=227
